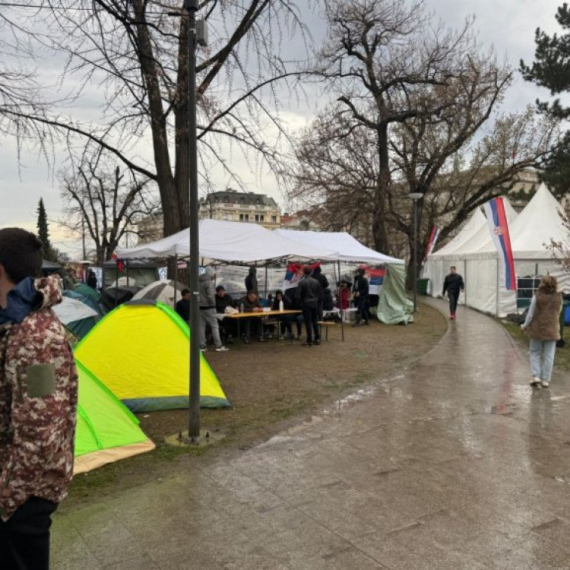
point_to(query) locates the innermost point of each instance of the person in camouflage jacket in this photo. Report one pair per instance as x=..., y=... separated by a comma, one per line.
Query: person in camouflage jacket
x=38, y=402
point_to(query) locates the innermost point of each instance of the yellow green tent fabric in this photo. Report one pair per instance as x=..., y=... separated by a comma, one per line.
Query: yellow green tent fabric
x=140, y=351
x=106, y=430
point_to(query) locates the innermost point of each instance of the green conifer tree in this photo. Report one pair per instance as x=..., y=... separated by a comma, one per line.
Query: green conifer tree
x=43, y=232
x=551, y=69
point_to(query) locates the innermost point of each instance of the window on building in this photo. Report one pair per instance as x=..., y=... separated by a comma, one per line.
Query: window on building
x=259, y=217
x=274, y=219
x=244, y=217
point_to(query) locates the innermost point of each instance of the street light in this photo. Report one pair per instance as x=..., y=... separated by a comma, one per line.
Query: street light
x=191, y=7
x=415, y=196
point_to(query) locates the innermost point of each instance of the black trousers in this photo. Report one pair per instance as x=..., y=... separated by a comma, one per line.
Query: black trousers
x=24, y=538
x=362, y=309
x=453, y=298
x=311, y=316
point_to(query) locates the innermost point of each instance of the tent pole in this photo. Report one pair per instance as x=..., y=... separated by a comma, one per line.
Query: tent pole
x=498, y=279
x=266, y=280
x=175, y=277
x=341, y=315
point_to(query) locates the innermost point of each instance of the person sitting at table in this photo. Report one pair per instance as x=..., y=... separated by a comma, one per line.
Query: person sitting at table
x=284, y=320
x=228, y=327
x=251, y=304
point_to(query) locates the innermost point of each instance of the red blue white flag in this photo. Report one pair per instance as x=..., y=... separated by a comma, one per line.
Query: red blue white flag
x=432, y=241
x=499, y=228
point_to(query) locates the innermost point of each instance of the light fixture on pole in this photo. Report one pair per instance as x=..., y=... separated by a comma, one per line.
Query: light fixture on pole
x=415, y=196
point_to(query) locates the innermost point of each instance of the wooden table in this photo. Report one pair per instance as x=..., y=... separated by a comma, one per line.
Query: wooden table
x=259, y=315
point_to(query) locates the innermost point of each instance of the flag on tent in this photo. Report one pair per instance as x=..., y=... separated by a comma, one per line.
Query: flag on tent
x=294, y=274
x=432, y=241
x=499, y=228
x=120, y=264
x=375, y=278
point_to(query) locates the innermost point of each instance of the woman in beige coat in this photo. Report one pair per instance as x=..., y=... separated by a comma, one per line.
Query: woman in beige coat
x=543, y=326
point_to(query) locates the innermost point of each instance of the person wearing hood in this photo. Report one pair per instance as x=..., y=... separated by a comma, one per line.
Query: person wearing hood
x=360, y=292
x=208, y=310
x=251, y=281
x=38, y=403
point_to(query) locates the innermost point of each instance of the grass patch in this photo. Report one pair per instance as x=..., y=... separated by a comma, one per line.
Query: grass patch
x=562, y=361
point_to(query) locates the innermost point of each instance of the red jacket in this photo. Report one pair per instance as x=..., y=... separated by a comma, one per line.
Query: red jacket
x=38, y=404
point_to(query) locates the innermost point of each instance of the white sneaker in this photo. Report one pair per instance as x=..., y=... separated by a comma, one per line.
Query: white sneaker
x=535, y=381
x=545, y=384
x=222, y=349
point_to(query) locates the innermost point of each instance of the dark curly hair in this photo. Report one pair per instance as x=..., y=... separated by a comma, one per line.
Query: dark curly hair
x=548, y=284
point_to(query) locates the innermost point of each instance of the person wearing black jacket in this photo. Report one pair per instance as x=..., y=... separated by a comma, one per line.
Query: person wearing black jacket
x=251, y=281
x=360, y=294
x=310, y=294
x=453, y=285
x=284, y=320
x=323, y=282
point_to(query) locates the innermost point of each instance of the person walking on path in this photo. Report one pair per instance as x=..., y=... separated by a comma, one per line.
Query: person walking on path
x=38, y=404
x=310, y=294
x=208, y=310
x=360, y=293
x=453, y=285
x=543, y=326
x=251, y=281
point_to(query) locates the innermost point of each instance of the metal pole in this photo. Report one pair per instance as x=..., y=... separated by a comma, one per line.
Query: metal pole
x=191, y=6
x=341, y=309
x=266, y=281
x=175, y=278
x=415, y=256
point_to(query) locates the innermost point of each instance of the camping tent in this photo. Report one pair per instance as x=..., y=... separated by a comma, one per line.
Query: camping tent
x=163, y=291
x=230, y=242
x=531, y=232
x=140, y=352
x=106, y=430
x=77, y=316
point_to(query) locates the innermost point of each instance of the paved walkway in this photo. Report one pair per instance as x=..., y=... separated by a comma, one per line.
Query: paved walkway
x=456, y=464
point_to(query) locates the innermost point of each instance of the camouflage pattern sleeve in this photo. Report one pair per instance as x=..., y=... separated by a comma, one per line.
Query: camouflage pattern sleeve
x=40, y=375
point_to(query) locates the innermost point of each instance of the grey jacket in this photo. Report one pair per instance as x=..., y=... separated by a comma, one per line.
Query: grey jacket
x=207, y=289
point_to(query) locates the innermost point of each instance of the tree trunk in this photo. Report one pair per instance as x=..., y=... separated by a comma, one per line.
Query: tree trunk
x=379, y=230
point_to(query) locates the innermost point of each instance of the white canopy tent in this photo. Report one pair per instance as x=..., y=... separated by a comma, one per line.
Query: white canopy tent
x=346, y=248
x=231, y=242
x=477, y=259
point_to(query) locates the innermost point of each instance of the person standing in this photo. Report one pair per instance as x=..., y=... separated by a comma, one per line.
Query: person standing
x=38, y=403
x=251, y=281
x=310, y=294
x=453, y=285
x=324, y=283
x=183, y=306
x=208, y=310
x=543, y=326
x=360, y=293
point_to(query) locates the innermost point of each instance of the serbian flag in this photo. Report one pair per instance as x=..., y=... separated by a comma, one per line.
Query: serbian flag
x=120, y=264
x=432, y=241
x=499, y=228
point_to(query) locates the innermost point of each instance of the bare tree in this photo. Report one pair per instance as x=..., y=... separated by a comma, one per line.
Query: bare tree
x=135, y=51
x=412, y=97
x=561, y=250
x=105, y=201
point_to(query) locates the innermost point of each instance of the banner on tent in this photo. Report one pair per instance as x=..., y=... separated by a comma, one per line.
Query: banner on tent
x=294, y=274
x=499, y=228
x=375, y=278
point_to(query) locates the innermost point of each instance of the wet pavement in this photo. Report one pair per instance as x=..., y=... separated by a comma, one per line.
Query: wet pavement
x=454, y=464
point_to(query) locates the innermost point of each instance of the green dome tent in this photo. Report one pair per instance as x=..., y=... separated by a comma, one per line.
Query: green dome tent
x=106, y=430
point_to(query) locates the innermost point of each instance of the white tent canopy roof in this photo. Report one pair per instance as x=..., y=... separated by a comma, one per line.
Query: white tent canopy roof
x=229, y=241
x=466, y=233
x=346, y=247
x=71, y=310
x=235, y=242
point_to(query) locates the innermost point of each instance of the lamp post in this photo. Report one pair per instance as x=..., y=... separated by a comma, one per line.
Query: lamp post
x=191, y=7
x=415, y=196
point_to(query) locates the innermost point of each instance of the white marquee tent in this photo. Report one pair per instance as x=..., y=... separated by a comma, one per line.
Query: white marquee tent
x=346, y=248
x=478, y=261
x=232, y=242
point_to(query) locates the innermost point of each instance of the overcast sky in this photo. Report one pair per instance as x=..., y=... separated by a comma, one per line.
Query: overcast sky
x=508, y=25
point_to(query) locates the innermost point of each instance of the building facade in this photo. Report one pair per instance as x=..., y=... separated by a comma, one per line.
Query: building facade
x=233, y=206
